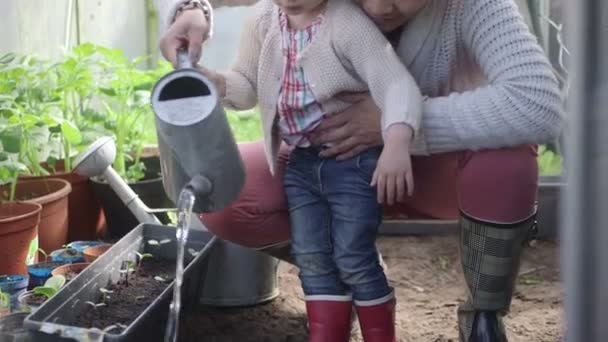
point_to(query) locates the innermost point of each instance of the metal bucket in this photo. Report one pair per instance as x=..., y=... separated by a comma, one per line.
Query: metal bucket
x=239, y=276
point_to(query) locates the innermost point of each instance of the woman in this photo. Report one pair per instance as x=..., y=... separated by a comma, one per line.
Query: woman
x=491, y=96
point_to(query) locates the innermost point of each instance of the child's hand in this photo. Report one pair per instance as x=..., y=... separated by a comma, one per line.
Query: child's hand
x=393, y=174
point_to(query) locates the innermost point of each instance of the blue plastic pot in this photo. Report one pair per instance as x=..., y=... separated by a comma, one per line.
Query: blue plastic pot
x=82, y=245
x=67, y=256
x=13, y=286
x=40, y=272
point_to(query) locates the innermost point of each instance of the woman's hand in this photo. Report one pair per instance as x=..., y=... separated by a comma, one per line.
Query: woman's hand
x=188, y=31
x=352, y=131
x=393, y=175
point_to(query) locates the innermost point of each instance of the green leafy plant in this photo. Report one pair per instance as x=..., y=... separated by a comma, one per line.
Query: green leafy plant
x=5, y=301
x=27, y=112
x=51, y=286
x=126, y=93
x=549, y=162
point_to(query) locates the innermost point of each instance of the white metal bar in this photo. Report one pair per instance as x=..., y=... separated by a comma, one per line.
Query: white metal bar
x=584, y=252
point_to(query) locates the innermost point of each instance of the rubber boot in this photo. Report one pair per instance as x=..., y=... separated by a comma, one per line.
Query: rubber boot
x=486, y=328
x=377, y=319
x=490, y=256
x=329, y=318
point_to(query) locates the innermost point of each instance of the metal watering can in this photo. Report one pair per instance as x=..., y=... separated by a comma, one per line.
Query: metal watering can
x=197, y=148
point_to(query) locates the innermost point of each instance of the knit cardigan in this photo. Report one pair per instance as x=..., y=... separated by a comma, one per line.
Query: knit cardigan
x=487, y=82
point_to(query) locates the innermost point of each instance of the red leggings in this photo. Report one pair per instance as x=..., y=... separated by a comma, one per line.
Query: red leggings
x=490, y=185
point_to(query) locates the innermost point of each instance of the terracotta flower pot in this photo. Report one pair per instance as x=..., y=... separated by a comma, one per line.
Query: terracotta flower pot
x=86, y=220
x=52, y=194
x=69, y=271
x=18, y=228
x=92, y=253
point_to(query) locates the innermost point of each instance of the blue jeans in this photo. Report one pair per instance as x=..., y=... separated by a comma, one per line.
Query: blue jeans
x=334, y=218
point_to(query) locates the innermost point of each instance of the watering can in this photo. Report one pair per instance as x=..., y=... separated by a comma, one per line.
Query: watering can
x=196, y=145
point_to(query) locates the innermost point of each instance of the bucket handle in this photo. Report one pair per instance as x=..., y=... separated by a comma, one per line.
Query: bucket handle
x=183, y=59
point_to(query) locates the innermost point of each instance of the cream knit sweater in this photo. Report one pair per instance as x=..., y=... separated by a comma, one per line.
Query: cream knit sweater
x=348, y=54
x=487, y=81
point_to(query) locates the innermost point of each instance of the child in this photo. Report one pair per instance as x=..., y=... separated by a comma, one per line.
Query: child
x=295, y=57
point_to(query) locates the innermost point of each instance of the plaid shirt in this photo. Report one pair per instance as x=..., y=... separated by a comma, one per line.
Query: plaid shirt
x=298, y=110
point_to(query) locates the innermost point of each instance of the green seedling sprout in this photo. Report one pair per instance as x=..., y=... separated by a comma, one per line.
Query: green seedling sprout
x=51, y=286
x=153, y=242
x=129, y=268
x=95, y=305
x=106, y=294
x=161, y=279
x=114, y=326
x=141, y=257
x=193, y=252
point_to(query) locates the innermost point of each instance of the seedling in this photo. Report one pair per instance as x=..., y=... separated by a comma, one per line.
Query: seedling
x=158, y=243
x=51, y=286
x=141, y=257
x=161, y=279
x=129, y=268
x=106, y=294
x=193, y=252
x=114, y=326
x=95, y=305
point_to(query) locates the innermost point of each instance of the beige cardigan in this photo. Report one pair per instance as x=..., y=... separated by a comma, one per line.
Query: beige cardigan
x=348, y=54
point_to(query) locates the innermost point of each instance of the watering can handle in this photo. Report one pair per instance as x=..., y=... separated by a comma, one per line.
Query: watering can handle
x=183, y=59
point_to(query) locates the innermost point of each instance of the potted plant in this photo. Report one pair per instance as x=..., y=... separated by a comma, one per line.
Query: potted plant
x=40, y=272
x=126, y=116
x=70, y=271
x=18, y=221
x=92, y=253
x=11, y=286
x=59, y=95
x=31, y=300
x=25, y=133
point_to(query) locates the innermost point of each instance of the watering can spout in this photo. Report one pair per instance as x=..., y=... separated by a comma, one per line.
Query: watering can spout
x=196, y=144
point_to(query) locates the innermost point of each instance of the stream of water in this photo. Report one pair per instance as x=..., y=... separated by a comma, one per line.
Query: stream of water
x=184, y=207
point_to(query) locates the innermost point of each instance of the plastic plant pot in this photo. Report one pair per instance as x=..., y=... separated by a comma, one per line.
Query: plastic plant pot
x=92, y=253
x=82, y=245
x=40, y=272
x=12, y=286
x=67, y=256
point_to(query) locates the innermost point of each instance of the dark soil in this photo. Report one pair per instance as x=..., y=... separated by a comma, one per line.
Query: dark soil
x=69, y=276
x=35, y=300
x=429, y=285
x=129, y=299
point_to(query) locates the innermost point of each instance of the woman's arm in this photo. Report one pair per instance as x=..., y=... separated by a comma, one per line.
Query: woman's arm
x=369, y=55
x=521, y=104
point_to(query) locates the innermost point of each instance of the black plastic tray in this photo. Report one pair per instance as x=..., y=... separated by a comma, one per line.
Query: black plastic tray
x=49, y=322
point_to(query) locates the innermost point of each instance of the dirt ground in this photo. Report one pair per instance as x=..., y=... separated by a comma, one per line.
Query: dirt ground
x=426, y=274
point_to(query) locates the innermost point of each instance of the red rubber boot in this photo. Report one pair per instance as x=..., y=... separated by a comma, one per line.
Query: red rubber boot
x=377, y=319
x=329, y=318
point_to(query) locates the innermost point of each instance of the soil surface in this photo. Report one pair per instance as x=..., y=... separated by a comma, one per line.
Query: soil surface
x=35, y=299
x=426, y=274
x=129, y=299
